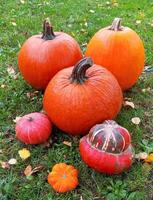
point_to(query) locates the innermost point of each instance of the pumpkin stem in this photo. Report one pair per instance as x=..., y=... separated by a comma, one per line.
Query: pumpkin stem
x=79, y=71
x=116, y=25
x=48, y=33
x=30, y=119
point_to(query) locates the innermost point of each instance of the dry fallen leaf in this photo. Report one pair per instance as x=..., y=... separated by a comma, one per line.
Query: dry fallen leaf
x=10, y=70
x=37, y=169
x=129, y=104
x=5, y=165
x=136, y=120
x=12, y=161
x=138, y=22
x=16, y=119
x=151, y=24
x=3, y=86
x=24, y=153
x=28, y=170
x=91, y=11
x=81, y=198
x=1, y=151
x=22, y=1
x=149, y=158
x=67, y=143
x=14, y=24
x=141, y=156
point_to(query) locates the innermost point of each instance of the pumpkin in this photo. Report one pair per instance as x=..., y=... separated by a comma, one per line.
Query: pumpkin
x=120, y=50
x=33, y=128
x=42, y=56
x=63, y=177
x=107, y=148
x=81, y=96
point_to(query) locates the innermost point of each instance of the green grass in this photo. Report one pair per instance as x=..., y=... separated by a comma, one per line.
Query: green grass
x=70, y=16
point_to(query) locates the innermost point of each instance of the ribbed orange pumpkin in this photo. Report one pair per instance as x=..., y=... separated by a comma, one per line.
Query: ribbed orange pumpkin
x=120, y=50
x=63, y=177
x=42, y=56
x=77, y=97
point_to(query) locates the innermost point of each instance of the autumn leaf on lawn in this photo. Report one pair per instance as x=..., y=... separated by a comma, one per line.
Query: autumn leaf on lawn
x=141, y=156
x=129, y=104
x=67, y=143
x=29, y=171
x=12, y=161
x=149, y=158
x=4, y=165
x=24, y=153
x=16, y=119
x=136, y=120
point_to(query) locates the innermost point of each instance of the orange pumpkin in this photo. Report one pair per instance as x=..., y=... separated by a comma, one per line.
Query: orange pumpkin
x=63, y=177
x=77, y=97
x=120, y=50
x=42, y=56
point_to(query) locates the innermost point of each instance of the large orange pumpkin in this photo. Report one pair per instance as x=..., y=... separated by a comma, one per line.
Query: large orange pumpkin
x=120, y=50
x=42, y=56
x=77, y=97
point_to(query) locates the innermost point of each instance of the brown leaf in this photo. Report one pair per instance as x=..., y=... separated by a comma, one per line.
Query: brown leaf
x=128, y=104
x=67, y=143
x=5, y=165
x=136, y=120
x=47, y=144
x=28, y=170
x=37, y=169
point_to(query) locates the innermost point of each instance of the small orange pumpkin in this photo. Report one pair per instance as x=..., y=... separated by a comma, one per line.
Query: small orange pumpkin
x=42, y=56
x=79, y=97
x=120, y=50
x=63, y=177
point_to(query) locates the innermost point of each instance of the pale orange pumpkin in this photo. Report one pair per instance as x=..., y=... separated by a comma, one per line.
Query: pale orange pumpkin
x=120, y=50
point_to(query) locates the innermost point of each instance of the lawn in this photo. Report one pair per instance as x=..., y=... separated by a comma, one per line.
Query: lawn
x=81, y=19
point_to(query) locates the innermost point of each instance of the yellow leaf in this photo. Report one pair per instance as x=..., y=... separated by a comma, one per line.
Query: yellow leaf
x=149, y=158
x=24, y=153
x=136, y=120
